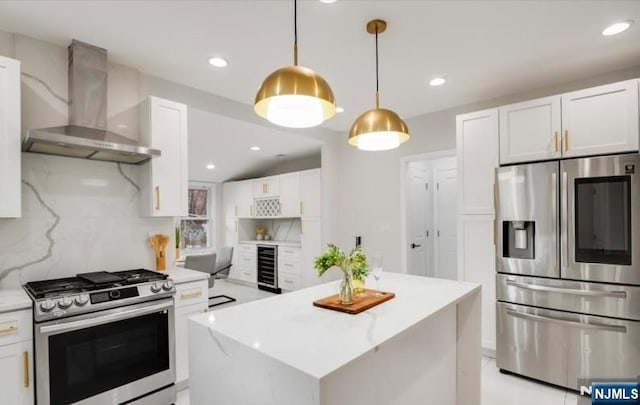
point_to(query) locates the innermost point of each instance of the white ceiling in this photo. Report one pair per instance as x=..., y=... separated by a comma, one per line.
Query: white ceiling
x=485, y=49
x=225, y=142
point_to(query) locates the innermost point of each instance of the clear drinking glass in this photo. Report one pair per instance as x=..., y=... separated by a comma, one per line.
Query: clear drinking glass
x=375, y=262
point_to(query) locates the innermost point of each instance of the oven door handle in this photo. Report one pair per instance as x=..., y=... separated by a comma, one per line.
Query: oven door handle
x=143, y=309
x=577, y=324
x=573, y=291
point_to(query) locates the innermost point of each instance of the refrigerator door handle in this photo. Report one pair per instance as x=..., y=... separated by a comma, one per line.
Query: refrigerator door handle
x=577, y=324
x=572, y=291
x=554, y=218
x=564, y=208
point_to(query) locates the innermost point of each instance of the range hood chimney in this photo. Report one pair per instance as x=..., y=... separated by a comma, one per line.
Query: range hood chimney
x=86, y=136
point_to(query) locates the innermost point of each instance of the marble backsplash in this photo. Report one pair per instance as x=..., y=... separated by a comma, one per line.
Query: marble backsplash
x=77, y=216
x=278, y=229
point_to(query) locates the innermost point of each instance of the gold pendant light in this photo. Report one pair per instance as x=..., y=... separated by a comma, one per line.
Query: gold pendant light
x=379, y=128
x=295, y=96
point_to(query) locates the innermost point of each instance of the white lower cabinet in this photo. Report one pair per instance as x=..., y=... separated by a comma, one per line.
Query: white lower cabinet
x=245, y=264
x=16, y=373
x=16, y=358
x=289, y=268
x=191, y=298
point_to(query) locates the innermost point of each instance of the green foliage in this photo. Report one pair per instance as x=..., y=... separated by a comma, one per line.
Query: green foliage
x=356, y=261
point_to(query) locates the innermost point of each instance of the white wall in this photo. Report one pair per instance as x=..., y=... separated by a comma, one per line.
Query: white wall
x=368, y=190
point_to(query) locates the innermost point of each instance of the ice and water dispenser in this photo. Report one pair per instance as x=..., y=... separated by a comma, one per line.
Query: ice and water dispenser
x=519, y=240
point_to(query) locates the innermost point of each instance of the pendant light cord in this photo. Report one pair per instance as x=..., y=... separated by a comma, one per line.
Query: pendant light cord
x=377, y=80
x=295, y=32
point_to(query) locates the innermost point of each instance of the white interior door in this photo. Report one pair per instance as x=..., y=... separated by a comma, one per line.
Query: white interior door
x=418, y=207
x=445, y=215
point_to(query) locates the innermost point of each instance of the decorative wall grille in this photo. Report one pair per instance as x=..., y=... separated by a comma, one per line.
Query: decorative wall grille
x=268, y=207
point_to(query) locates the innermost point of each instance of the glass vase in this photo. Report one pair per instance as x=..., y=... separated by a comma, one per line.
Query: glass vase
x=346, y=288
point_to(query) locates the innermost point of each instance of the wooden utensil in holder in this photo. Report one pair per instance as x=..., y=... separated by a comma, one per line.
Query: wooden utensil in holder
x=159, y=244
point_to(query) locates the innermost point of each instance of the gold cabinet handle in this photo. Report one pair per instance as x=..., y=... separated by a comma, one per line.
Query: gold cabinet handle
x=494, y=232
x=157, y=197
x=10, y=329
x=301, y=208
x=555, y=141
x=494, y=196
x=566, y=140
x=187, y=296
x=264, y=188
x=25, y=369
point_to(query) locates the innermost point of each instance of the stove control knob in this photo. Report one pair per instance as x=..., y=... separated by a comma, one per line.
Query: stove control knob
x=82, y=300
x=65, y=302
x=156, y=287
x=47, y=306
x=167, y=285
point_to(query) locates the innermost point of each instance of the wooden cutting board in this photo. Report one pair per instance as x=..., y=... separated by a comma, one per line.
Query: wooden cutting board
x=361, y=302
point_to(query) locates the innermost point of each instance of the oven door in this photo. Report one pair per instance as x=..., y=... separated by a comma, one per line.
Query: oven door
x=600, y=219
x=107, y=357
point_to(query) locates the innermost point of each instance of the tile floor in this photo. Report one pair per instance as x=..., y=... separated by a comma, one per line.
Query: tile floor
x=497, y=388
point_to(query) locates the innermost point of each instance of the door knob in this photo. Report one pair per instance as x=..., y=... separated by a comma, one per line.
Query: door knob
x=413, y=246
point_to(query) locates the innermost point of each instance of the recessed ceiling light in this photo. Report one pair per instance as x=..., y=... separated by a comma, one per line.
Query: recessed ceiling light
x=211, y=166
x=218, y=62
x=339, y=109
x=256, y=148
x=438, y=81
x=328, y=1
x=617, y=28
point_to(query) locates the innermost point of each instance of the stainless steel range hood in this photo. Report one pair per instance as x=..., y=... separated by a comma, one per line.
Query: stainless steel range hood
x=86, y=135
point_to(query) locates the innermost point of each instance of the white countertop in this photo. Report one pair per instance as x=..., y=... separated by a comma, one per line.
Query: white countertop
x=14, y=299
x=318, y=341
x=180, y=275
x=272, y=242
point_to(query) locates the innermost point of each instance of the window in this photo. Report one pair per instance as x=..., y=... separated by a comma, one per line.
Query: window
x=195, y=230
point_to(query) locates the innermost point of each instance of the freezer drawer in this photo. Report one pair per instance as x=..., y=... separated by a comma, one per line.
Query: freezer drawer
x=611, y=300
x=560, y=347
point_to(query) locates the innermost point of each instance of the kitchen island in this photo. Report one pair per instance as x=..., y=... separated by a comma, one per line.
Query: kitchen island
x=421, y=347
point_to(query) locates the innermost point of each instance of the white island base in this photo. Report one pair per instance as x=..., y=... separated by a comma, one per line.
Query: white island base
x=422, y=347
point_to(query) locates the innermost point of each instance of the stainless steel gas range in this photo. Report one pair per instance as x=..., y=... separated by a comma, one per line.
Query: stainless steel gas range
x=104, y=338
x=568, y=262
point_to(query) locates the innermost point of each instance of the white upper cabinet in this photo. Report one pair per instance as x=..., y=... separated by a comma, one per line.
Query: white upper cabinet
x=600, y=120
x=164, y=187
x=237, y=199
x=595, y=121
x=311, y=205
x=477, y=157
x=530, y=130
x=10, y=192
x=290, y=199
x=244, y=199
x=266, y=187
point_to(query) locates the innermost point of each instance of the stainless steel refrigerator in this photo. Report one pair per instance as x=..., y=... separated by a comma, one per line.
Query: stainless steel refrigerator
x=568, y=269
